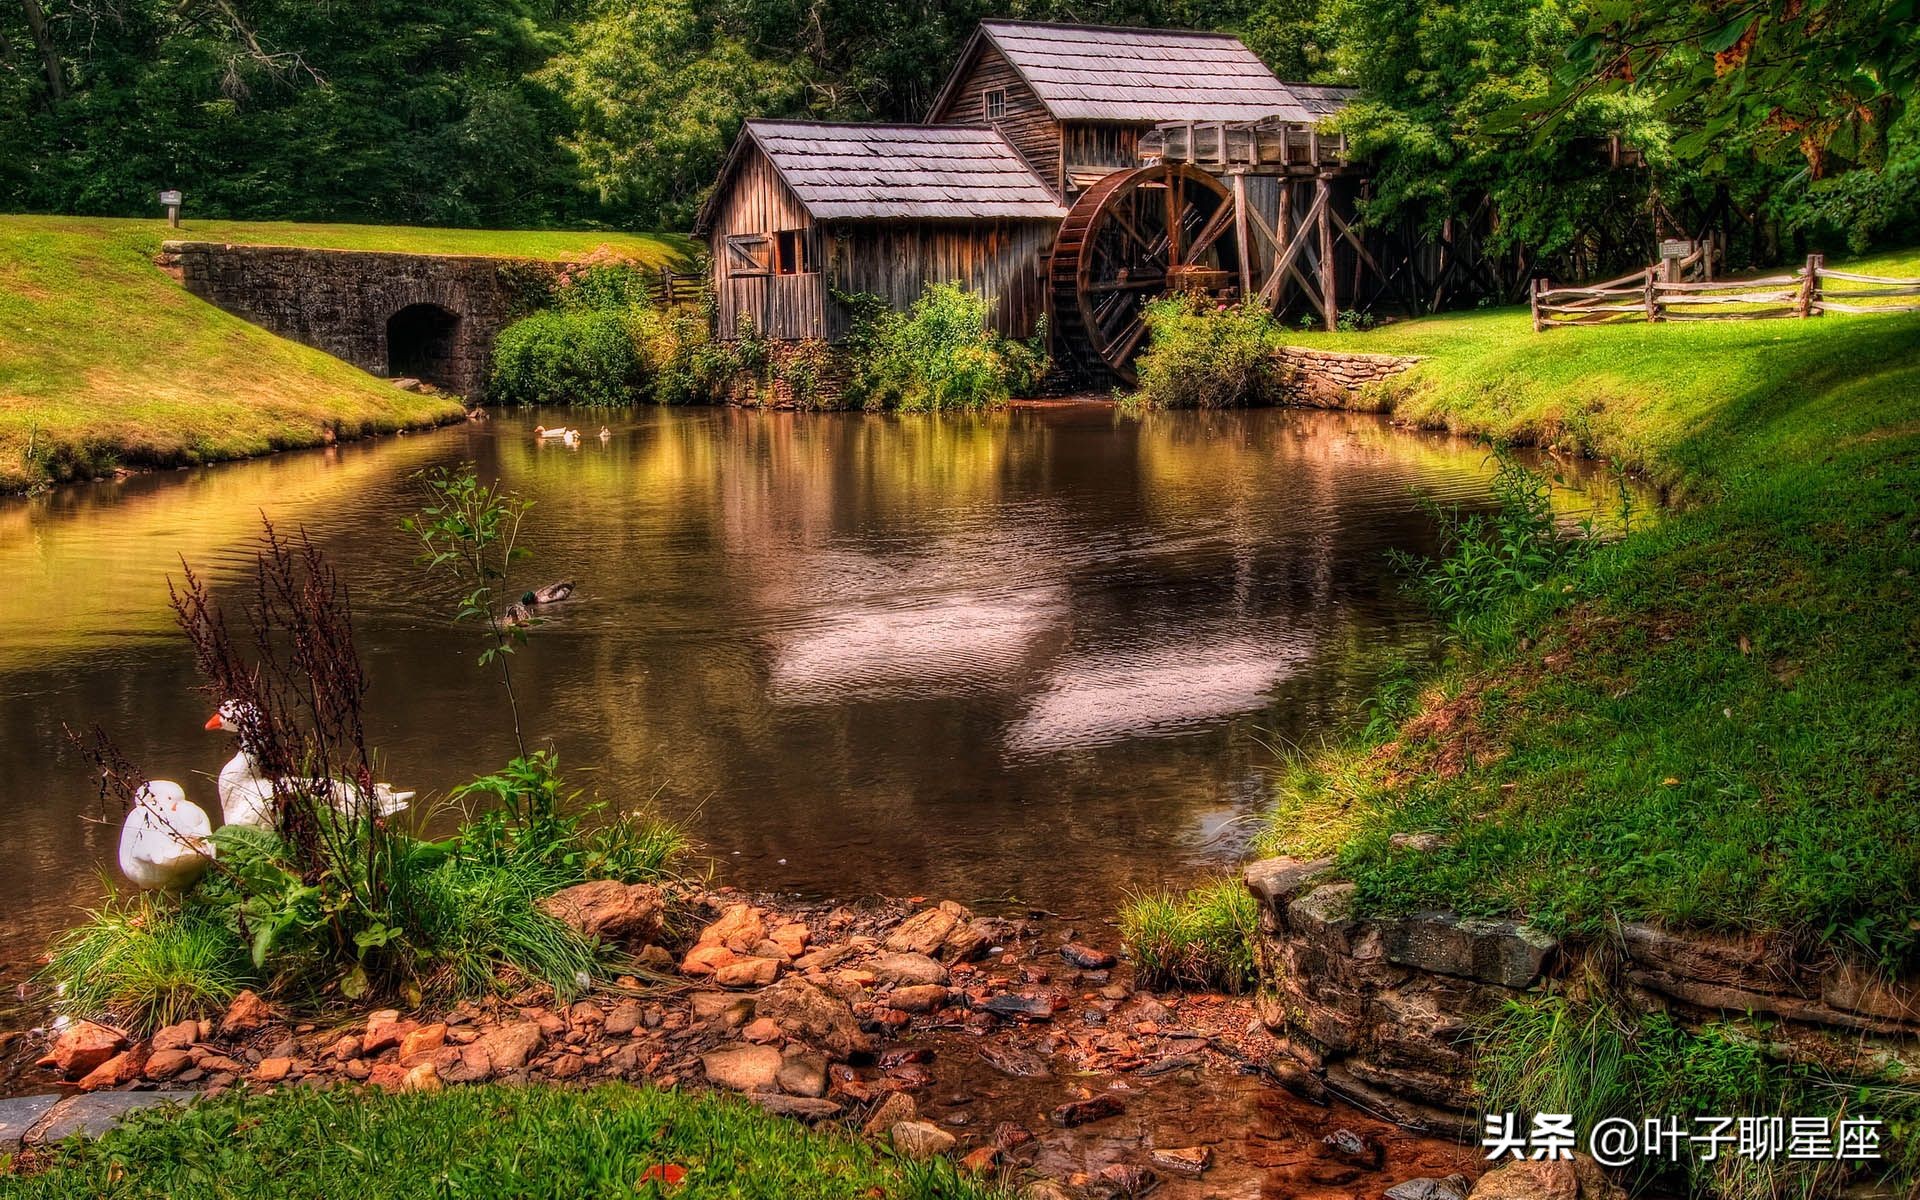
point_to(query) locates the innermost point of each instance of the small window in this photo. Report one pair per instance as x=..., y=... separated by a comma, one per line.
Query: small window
x=994, y=102
x=749, y=254
x=794, y=252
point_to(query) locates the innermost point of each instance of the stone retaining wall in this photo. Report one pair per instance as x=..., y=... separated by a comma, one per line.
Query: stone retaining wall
x=342, y=301
x=1384, y=1011
x=1332, y=378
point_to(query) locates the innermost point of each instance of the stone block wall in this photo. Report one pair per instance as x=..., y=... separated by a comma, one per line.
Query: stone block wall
x=341, y=301
x=1334, y=378
x=1385, y=1011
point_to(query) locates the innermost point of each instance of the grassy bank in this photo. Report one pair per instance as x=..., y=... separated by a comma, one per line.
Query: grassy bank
x=651, y=250
x=535, y=1141
x=1673, y=400
x=105, y=362
x=1715, y=722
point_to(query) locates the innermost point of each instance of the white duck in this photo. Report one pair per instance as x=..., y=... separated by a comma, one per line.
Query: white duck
x=561, y=434
x=246, y=794
x=164, y=842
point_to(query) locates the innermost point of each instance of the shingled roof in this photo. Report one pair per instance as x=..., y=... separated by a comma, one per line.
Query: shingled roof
x=896, y=172
x=1322, y=100
x=1105, y=73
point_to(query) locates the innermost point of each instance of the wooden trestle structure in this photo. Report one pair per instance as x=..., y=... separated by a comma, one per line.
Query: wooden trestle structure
x=1263, y=209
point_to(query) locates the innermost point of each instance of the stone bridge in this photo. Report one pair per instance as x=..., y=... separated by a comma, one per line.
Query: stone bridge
x=430, y=317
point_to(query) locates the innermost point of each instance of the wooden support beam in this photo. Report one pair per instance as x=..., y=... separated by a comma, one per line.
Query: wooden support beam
x=1323, y=204
x=1242, y=243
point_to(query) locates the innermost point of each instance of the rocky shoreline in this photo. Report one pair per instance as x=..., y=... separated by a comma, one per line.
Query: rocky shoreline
x=1015, y=1043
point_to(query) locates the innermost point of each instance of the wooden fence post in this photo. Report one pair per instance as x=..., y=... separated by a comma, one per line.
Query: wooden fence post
x=1816, y=263
x=1653, y=305
x=1533, y=300
x=1809, y=281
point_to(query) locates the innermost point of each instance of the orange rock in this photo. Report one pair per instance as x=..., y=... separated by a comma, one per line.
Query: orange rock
x=388, y=1076
x=123, y=1067
x=739, y=927
x=273, y=1070
x=791, y=937
x=177, y=1036
x=706, y=958
x=419, y=1045
x=82, y=1047
x=247, y=1013
x=748, y=972
x=165, y=1064
x=422, y=1078
x=980, y=1160
x=385, y=1028
x=763, y=1031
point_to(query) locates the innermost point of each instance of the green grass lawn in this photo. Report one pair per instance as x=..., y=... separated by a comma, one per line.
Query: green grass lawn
x=527, y=1142
x=105, y=361
x=1714, y=722
x=649, y=249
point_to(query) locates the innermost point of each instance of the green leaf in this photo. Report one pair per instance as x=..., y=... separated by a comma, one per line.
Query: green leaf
x=1725, y=36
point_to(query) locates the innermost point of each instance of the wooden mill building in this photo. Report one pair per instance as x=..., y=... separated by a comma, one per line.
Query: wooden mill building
x=1067, y=170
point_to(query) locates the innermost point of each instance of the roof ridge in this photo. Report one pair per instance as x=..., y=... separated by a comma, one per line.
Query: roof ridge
x=1201, y=33
x=915, y=126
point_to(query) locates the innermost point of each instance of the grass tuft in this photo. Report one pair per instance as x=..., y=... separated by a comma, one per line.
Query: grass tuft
x=142, y=962
x=1202, y=939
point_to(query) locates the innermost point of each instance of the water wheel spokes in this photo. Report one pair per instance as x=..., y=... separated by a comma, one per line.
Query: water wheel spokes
x=1132, y=237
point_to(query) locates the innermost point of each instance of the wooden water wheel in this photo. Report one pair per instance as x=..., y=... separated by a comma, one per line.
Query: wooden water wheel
x=1134, y=236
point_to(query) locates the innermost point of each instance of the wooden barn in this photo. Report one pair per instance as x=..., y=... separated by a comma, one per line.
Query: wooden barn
x=1076, y=171
x=1075, y=100
x=805, y=209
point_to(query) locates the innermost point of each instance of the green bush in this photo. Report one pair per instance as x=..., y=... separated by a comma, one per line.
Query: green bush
x=941, y=354
x=580, y=356
x=1203, y=355
x=1486, y=559
x=682, y=361
x=1203, y=939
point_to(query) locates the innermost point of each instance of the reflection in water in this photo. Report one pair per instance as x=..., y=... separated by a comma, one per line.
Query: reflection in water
x=1040, y=653
x=1163, y=690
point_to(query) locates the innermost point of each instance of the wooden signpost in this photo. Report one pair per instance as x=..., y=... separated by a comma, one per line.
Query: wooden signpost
x=171, y=199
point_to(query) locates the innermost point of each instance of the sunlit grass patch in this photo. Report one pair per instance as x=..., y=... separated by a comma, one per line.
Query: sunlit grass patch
x=1202, y=939
x=142, y=961
x=528, y=1141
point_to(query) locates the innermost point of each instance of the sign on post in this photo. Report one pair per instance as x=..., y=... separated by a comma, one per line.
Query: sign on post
x=171, y=199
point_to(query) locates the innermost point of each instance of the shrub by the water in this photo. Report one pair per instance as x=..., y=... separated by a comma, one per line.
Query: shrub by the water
x=567, y=356
x=334, y=898
x=941, y=354
x=1203, y=939
x=1204, y=355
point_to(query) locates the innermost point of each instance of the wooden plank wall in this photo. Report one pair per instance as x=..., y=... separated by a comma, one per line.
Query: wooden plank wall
x=1099, y=146
x=781, y=306
x=895, y=260
x=1028, y=124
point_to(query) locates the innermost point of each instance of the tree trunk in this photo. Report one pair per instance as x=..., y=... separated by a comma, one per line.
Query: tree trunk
x=49, y=57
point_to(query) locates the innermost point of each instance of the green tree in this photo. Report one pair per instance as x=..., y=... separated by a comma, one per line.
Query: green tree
x=658, y=90
x=1436, y=84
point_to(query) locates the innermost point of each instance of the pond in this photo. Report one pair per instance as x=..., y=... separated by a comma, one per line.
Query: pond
x=1049, y=654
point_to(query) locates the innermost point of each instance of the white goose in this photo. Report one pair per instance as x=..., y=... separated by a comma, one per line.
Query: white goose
x=164, y=842
x=561, y=433
x=246, y=794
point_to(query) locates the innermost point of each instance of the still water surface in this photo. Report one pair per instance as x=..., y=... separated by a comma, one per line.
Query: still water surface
x=1045, y=654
